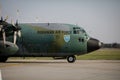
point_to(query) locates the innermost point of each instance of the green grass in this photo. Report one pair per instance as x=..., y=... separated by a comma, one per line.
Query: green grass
x=102, y=54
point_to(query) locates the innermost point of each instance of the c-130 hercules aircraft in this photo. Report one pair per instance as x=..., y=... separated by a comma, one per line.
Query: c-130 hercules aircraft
x=56, y=40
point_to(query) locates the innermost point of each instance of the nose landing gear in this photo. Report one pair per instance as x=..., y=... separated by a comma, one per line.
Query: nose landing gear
x=71, y=59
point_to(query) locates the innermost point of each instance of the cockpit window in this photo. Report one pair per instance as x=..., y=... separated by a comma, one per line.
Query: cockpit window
x=78, y=30
x=83, y=30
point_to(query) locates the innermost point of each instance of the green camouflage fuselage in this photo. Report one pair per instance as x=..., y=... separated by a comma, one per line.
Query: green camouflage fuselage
x=44, y=40
x=51, y=39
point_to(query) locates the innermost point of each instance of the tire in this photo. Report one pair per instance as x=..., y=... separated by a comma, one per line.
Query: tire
x=3, y=59
x=71, y=59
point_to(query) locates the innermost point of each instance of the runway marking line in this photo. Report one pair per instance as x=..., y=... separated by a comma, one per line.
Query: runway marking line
x=0, y=75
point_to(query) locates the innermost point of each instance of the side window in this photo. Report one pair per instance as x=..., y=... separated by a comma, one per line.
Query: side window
x=81, y=39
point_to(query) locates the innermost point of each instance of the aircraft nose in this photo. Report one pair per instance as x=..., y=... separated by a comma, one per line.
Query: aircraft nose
x=93, y=44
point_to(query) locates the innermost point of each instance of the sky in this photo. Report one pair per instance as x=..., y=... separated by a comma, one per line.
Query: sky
x=100, y=18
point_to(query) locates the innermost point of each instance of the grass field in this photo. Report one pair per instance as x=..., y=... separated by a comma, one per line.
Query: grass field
x=102, y=54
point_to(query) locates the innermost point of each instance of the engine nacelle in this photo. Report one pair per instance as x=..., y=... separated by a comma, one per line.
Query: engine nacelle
x=8, y=48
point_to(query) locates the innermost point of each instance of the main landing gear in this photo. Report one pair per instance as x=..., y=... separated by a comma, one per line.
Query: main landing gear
x=71, y=59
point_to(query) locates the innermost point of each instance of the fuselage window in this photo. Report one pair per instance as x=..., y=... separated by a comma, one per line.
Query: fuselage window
x=81, y=40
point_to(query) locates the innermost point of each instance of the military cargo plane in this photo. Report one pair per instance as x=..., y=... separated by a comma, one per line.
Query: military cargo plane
x=58, y=40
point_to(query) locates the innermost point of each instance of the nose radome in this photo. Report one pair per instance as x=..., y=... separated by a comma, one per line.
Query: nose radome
x=93, y=44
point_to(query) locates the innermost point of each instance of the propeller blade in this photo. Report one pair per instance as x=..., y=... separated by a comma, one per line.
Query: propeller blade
x=15, y=37
x=16, y=23
x=13, y=23
x=1, y=26
x=6, y=18
x=4, y=37
x=1, y=18
x=17, y=12
x=19, y=33
x=16, y=31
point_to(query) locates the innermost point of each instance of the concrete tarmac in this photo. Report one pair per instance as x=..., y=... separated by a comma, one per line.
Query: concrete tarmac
x=61, y=70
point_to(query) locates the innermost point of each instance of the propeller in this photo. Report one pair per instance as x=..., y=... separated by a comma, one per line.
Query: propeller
x=17, y=31
x=3, y=27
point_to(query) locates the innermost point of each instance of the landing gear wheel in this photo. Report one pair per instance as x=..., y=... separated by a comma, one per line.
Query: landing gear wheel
x=3, y=59
x=71, y=59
